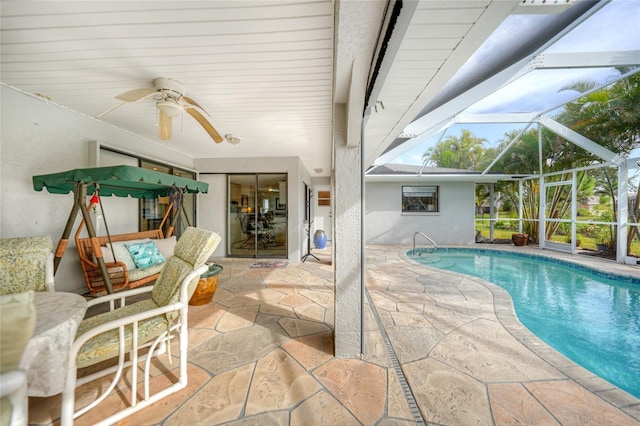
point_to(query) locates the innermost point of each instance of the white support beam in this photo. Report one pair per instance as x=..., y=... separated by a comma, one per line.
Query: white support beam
x=579, y=140
x=494, y=14
x=623, y=213
x=413, y=142
x=587, y=59
x=496, y=118
x=355, y=102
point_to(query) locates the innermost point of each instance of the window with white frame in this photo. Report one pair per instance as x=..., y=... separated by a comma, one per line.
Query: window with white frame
x=420, y=199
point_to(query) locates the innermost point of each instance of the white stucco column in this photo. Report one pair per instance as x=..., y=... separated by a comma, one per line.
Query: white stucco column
x=346, y=244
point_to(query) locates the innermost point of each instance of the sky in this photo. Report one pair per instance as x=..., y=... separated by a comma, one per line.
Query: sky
x=614, y=27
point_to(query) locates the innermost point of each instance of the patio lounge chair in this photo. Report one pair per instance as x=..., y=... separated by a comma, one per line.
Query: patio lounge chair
x=146, y=326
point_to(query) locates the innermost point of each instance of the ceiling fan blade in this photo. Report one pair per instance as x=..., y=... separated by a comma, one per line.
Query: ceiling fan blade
x=165, y=124
x=136, y=94
x=205, y=124
x=194, y=103
x=110, y=109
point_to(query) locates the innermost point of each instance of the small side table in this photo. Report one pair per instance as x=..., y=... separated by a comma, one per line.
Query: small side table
x=46, y=357
x=207, y=286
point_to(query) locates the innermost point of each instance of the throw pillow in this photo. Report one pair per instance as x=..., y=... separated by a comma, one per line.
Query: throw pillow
x=145, y=254
x=121, y=254
x=166, y=246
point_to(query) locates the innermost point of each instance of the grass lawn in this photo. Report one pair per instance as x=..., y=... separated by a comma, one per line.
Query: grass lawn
x=504, y=230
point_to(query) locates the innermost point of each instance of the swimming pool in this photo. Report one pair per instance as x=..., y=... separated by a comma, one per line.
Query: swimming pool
x=591, y=317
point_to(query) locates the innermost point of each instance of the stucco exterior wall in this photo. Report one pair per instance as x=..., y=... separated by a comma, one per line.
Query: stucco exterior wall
x=386, y=224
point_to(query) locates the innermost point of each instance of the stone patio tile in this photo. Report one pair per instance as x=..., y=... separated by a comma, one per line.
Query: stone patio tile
x=255, y=297
x=311, y=312
x=512, y=404
x=382, y=302
x=375, y=349
x=410, y=307
x=447, y=396
x=197, y=336
x=397, y=405
x=377, y=284
x=286, y=288
x=322, y=409
x=271, y=418
x=311, y=351
x=205, y=316
x=322, y=296
x=486, y=351
x=411, y=319
x=242, y=284
x=278, y=310
x=405, y=284
x=299, y=327
x=445, y=320
x=294, y=300
x=278, y=382
x=360, y=386
x=153, y=414
x=572, y=404
x=413, y=343
x=221, y=400
x=239, y=347
x=472, y=289
x=237, y=318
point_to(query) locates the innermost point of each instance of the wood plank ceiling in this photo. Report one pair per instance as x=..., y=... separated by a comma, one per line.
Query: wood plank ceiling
x=266, y=71
x=261, y=69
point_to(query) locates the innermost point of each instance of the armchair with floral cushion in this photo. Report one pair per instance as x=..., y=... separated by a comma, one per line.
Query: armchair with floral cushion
x=140, y=331
x=26, y=263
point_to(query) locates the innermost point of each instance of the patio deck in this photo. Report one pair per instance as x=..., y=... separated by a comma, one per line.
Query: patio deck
x=440, y=349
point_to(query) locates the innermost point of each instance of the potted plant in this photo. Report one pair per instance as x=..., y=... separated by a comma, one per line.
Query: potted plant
x=520, y=239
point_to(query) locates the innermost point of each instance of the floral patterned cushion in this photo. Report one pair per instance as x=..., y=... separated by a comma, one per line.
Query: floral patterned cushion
x=105, y=346
x=23, y=264
x=193, y=249
x=138, y=274
x=17, y=322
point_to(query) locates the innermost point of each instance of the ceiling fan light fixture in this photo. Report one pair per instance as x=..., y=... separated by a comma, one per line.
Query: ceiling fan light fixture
x=170, y=109
x=232, y=139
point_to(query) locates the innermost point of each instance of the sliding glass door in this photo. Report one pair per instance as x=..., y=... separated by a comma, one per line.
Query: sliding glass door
x=257, y=215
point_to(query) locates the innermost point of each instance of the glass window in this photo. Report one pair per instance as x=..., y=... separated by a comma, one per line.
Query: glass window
x=153, y=211
x=417, y=199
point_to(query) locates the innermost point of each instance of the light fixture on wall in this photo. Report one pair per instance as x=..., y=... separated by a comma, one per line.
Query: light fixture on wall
x=232, y=139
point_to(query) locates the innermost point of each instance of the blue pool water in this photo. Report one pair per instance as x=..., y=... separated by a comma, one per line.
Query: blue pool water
x=591, y=317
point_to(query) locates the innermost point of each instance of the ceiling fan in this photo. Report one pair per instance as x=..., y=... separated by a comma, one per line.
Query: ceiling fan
x=169, y=95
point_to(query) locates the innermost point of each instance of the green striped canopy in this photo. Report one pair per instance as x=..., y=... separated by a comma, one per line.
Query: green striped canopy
x=121, y=181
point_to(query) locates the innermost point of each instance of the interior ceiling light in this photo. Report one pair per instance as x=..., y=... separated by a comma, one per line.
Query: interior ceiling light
x=232, y=139
x=170, y=109
x=318, y=170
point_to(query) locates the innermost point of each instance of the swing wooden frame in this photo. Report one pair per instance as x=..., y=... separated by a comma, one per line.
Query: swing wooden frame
x=121, y=181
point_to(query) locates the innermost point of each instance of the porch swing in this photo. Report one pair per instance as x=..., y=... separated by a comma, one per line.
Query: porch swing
x=114, y=273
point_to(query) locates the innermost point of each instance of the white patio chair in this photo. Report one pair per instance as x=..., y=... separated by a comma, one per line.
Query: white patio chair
x=146, y=326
